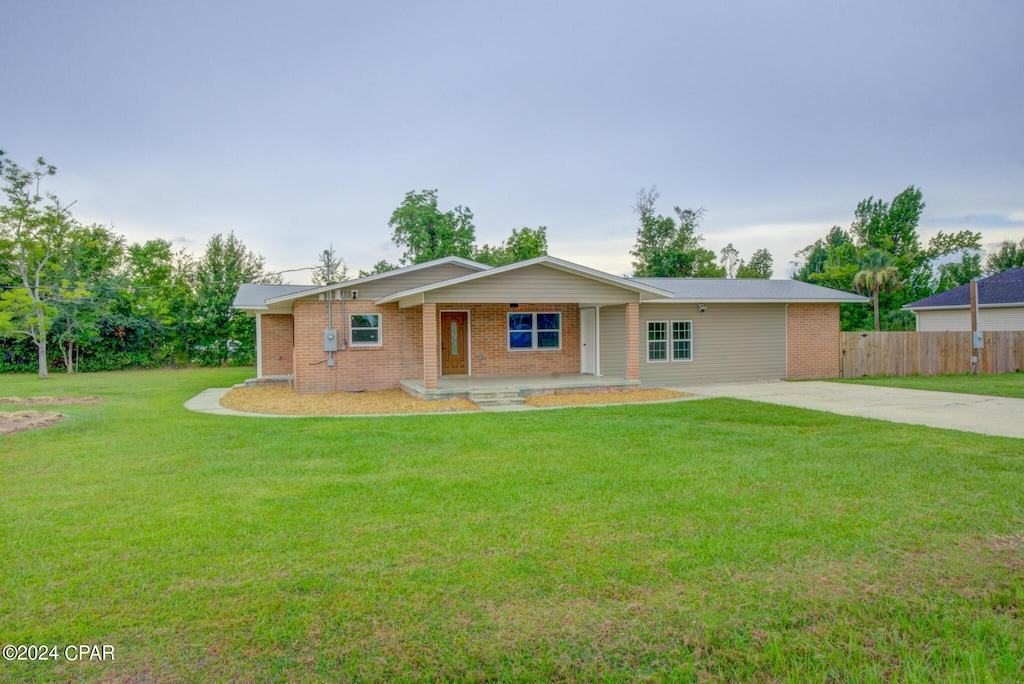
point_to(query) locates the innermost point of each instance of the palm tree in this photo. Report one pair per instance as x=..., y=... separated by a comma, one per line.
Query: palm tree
x=877, y=272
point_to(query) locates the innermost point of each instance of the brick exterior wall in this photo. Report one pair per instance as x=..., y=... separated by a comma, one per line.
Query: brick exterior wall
x=488, y=340
x=410, y=349
x=276, y=343
x=357, y=368
x=812, y=341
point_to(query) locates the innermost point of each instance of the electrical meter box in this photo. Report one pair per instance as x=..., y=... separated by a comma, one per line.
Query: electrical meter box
x=330, y=340
x=979, y=340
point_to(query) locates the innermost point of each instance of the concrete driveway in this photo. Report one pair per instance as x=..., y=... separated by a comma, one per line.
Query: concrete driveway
x=968, y=412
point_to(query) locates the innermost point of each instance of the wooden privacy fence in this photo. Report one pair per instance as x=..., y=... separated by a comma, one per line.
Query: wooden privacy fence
x=928, y=353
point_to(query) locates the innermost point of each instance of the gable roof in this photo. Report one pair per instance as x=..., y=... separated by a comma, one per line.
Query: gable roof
x=1001, y=289
x=631, y=284
x=315, y=290
x=748, y=290
x=255, y=295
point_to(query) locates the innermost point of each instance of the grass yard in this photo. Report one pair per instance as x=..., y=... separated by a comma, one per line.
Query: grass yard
x=692, y=541
x=1005, y=385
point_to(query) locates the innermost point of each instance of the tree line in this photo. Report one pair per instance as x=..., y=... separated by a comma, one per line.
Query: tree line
x=82, y=298
x=882, y=256
x=76, y=297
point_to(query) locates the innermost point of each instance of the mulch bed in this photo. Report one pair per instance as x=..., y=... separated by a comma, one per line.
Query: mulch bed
x=592, y=398
x=282, y=400
x=21, y=421
x=29, y=401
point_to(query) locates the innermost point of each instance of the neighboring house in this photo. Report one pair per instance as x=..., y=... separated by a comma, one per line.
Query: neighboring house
x=1000, y=305
x=436, y=328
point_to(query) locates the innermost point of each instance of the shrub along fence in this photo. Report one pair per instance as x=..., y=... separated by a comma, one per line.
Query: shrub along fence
x=928, y=353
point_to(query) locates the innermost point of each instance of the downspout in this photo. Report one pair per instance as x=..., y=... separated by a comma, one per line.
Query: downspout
x=344, y=337
x=330, y=354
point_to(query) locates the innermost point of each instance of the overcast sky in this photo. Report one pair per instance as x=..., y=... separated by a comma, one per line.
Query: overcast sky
x=298, y=124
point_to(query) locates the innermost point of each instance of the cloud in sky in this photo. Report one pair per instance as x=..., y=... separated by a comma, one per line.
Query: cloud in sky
x=300, y=124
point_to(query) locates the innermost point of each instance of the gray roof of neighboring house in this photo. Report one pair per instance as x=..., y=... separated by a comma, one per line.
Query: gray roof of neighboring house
x=748, y=290
x=255, y=295
x=1002, y=288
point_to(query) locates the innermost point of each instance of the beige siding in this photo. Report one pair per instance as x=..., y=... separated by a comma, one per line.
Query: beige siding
x=405, y=281
x=613, y=340
x=1003, y=318
x=534, y=284
x=731, y=342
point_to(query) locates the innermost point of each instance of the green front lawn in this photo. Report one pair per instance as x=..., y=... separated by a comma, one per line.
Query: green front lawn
x=702, y=540
x=1005, y=385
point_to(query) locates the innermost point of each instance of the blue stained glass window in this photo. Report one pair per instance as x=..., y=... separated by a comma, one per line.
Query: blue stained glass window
x=535, y=331
x=547, y=339
x=520, y=340
x=520, y=321
x=548, y=321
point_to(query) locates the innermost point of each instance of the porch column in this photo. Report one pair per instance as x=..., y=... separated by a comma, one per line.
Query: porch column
x=259, y=345
x=633, y=341
x=429, y=345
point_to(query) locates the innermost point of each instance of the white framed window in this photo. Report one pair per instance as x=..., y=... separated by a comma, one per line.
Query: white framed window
x=657, y=341
x=533, y=331
x=364, y=330
x=682, y=340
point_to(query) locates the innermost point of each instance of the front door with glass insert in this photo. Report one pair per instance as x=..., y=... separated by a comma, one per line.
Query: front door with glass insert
x=454, y=338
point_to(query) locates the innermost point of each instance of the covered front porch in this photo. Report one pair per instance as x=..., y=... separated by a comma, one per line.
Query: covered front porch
x=511, y=387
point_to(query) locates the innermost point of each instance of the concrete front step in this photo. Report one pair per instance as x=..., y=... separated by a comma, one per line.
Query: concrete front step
x=496, y=398
x=269, y=380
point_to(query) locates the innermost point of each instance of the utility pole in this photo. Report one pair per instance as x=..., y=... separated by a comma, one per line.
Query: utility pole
x=977, y=337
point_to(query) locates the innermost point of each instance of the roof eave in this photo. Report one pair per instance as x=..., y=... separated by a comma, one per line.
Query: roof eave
x=953, y=307
x=552, y=262
x=761, y=300
x=380, y=276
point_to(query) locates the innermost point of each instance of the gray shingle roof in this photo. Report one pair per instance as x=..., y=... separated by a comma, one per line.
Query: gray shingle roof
x=255, y=295
x=1002, y=288
x=748, y=290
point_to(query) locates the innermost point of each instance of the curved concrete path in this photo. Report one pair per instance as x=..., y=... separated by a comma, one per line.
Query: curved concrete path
x=999, y=416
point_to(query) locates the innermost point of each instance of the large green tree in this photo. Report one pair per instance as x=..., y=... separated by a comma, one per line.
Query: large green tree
x=330, y=268
x=670, y=247
x=90, y=272
x=761, y=265
x=878, y=273
x=523, y=244
x=891, y=227
x=219, y=333
x=1008, y=255
x=428, y=233
x=33, y=227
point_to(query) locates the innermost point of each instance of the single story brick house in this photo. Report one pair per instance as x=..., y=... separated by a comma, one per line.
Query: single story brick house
x=439, y=328
x=1000, y=305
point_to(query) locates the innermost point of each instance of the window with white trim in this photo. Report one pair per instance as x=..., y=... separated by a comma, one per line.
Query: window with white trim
x=657, y=341
x=364, y=330
x=541, y=330
x=682, y=340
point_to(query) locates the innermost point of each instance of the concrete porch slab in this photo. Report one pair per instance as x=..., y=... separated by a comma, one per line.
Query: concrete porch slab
x=464, y=386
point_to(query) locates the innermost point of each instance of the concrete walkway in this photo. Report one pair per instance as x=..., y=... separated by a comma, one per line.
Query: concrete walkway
x=986, y=415
x=208, y=401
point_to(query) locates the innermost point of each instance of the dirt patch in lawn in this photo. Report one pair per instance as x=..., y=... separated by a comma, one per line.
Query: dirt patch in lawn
x=281, y=400
x=21, y=421
x=30, y=401
x=590, y=398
